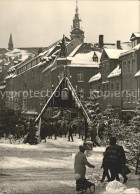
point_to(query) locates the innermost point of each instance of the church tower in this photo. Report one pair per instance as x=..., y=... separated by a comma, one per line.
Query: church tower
x=10, y=44
x=76, y=31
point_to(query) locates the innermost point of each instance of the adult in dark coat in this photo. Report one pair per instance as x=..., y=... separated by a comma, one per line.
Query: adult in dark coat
x=70, y=129
x=113, y=157
x=81, y=162
x=122, y=162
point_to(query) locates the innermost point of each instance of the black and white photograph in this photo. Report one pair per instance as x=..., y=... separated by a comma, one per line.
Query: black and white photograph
x=69, y=96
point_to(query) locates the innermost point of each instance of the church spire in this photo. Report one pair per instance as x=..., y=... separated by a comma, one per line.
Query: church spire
x=76, y=30
x=76, y=10
x=10, y=44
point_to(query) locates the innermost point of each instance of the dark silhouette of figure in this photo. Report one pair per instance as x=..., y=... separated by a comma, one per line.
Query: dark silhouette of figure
x=105, y=171
x=115, y=159
x=70, y=130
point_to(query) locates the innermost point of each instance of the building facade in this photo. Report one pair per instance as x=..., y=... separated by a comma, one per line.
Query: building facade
x=130, y=65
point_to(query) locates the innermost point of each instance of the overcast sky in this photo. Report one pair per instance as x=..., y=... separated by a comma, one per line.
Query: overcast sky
x=42, y=22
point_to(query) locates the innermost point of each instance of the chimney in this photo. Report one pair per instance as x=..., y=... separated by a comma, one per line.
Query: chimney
x=119, y=44
x=101, y=43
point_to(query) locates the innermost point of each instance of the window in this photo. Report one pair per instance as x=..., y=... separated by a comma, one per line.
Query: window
x=133, y=65
x=16, y=100
x=103, y=89
x=107, y=87
x=80, y=76
x=135, y=42
x=134, y=96
x=124, y=97
x=128, y=96
x=95, y=59
x=24, y=104
x=124, y=67
x=117, y=86
x=128, y=66
x=112, y=86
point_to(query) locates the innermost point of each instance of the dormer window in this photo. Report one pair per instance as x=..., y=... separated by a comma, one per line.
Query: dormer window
x=95, y=59
x=135, y=39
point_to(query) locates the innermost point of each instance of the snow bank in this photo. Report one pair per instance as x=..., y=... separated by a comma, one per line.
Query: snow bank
x=132, y=191
x=115, y=187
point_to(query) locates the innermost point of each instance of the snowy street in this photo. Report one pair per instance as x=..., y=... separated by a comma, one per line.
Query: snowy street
x=46, y=167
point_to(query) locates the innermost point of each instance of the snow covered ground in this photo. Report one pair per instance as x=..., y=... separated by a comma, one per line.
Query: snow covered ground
x=46, y=167
x=51, y=145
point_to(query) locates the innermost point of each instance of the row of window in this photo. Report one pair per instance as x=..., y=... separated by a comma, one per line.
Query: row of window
x=130, y=98
x=129, y=66
x=29, y=65
x=80, y=76
x=113, y=86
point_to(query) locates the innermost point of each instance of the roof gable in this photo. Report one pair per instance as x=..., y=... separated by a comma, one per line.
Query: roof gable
x=135, y=35
x=56, y=100
x=112, y=53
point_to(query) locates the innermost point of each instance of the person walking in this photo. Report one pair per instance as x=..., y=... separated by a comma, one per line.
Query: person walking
x=81, y=162
x=122, y=162
x=112, y=158
x=70, y=129
x=105, y=171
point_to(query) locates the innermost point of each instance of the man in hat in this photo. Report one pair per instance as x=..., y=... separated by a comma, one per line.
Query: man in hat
x=81, y=162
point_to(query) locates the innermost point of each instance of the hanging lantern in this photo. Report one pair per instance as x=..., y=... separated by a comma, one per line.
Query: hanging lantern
x=65, y=94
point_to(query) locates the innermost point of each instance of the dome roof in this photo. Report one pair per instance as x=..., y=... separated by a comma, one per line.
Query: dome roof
x=77, y=31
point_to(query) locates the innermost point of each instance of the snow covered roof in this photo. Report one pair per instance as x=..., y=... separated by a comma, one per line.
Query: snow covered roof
x=98, y=53
x=126, y=45
x=2, y=87
x=41, y=63
x=84, y=60
x=105, y=82
x=9, y=76
x=123, y=45
x=95, y=78
x=24, y=54
x=137, y=47
x=43, y=53
x=137, y=74
x=75, y=50
x=95, y=65
x=1, y=60
x=116, y=72
x=135, y=35
x=114, y=53
x=51, y=65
